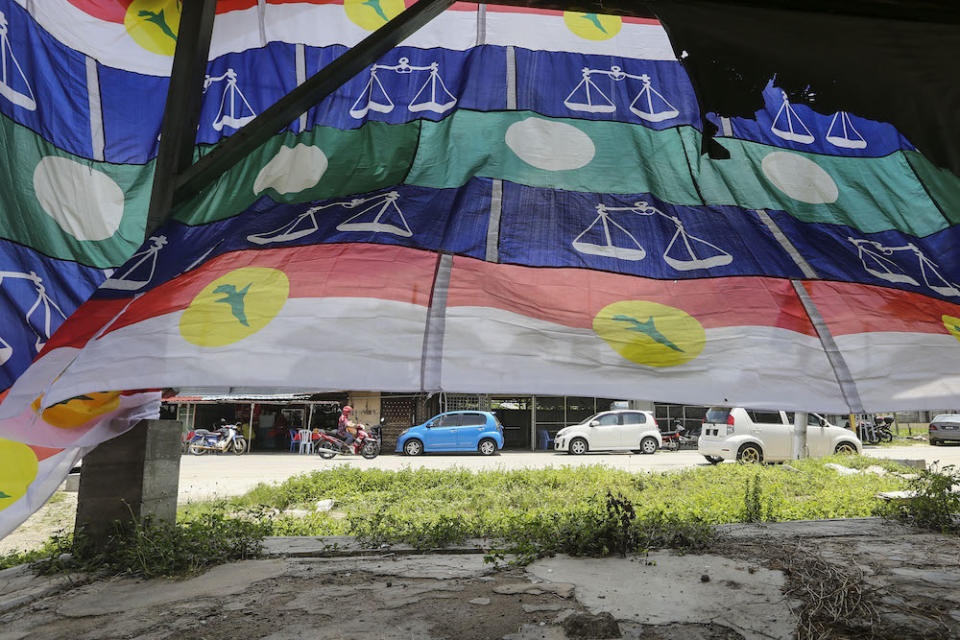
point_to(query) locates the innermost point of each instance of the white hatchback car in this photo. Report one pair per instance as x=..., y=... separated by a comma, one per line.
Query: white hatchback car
x=622, y=430
x=750, y=435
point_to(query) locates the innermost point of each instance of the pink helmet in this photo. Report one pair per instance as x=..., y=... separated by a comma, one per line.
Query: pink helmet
x=347, y=409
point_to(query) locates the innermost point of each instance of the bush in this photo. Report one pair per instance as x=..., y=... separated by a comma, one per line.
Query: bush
x=150, y=549
x=935, y=504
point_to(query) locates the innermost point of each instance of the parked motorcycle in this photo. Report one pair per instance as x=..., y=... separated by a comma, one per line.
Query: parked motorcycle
x=366, y=443
x=226, y=438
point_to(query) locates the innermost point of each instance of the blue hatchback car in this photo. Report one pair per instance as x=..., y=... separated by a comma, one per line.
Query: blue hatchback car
x=454, y=431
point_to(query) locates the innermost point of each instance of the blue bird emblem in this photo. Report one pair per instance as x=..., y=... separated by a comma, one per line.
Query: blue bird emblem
x=375, y=5
x=234, y=298
x=595, y=19
x=649, y=329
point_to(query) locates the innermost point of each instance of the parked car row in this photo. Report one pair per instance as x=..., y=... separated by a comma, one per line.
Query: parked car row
x=744, y=435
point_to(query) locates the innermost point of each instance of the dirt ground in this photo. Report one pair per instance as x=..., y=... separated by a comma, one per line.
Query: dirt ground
x=57, y=514
x=828, y=579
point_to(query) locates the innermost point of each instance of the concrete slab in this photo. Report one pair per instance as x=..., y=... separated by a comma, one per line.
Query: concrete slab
x=125, y=594
x=838, y=527
x=651, y=589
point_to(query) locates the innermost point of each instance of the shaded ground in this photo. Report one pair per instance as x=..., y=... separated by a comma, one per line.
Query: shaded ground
x=761, y=582
x=59, y=513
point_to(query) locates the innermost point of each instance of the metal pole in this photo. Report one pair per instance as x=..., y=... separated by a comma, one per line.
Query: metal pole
x=178, y=132
x=253, y=406
x=323, y=83
x=799, y=435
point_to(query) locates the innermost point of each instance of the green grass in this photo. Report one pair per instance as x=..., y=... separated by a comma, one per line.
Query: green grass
x=581, y=511
x=432, y=506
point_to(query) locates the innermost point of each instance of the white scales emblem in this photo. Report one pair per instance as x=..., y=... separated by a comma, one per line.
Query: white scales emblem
x=22, y=97
x=49, y=306
x=233, y=113
x=143, y=265
x=381, y=215
x=788, y=125
x=648, y=104
x=876, y=260
x=432, y=95
x=684, y=252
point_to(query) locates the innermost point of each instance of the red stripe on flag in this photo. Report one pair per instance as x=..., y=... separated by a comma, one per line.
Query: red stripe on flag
x=573, y=297
x=859, y=308
x=315, y=271
x=43, y=453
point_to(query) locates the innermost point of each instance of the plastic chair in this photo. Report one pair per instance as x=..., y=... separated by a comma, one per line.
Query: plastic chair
x=306, y=441
x=544, y=441
x=294, y=439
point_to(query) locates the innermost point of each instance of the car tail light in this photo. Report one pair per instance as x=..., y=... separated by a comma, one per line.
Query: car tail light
x=933, y=427
x=657, y=425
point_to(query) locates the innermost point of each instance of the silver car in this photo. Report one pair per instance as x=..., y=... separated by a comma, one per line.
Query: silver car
x=945, y=428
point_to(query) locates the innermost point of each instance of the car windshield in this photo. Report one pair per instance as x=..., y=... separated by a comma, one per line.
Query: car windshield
x=715, y=414
x=593, y=417
x=947, y=417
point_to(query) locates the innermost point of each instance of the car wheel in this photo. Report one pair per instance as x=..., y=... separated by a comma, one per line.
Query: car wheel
x=413, y=447
x=934, y=443
x=714, y=459
x=578, y=446
x=648, y=446
x=750, y=454
x=487, y=447
x=846, y=448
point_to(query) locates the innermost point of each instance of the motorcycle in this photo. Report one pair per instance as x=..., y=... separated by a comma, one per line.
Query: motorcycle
x=875, y=432
x=226, y=438
x=674, y=440
x=366, y=443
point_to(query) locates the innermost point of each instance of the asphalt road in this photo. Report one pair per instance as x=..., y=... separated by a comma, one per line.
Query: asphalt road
x=206, y=476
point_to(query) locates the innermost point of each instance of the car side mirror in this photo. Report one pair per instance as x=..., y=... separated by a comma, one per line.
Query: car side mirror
x=594, y=423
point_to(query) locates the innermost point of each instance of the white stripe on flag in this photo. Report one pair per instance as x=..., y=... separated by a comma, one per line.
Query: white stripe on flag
x=760, y=366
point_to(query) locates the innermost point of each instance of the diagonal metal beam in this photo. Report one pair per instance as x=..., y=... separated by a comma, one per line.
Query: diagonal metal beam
x=181, y=116
x=314, y=90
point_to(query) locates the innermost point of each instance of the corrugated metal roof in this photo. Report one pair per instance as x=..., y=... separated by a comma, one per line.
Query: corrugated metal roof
x=235, y=394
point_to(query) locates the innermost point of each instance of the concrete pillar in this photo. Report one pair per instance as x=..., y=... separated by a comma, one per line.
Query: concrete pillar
x=799, y=435
x=135, y=474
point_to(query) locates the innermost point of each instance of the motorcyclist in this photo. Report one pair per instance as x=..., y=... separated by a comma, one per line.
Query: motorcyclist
x=345, y=425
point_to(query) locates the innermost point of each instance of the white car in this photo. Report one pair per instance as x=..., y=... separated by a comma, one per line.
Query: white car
x=750, y=435
x=623, y=430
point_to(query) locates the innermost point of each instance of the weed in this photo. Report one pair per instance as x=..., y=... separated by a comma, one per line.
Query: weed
x=935, y=504
x=753, y=503
x=148, y=548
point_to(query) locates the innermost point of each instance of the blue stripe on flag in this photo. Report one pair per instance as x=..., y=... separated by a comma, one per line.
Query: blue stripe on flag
x=654, y=93
x=132, y=114
x=38, y=292
x=637, y=235
x=929, y=265
x=797, y=126
x=44, y=83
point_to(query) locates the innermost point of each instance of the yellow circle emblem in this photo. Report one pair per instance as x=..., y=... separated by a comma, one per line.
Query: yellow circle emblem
x=372, y=14
x=235, y=306
x=592, y=26
x=78, y=410
x=952, y=323
x=650, y=333
x=154, y=24
x=18, y=470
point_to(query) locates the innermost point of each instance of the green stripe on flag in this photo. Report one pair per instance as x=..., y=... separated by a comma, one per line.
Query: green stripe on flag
x=69, y=207
x=869, y=194
x=319, y=164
